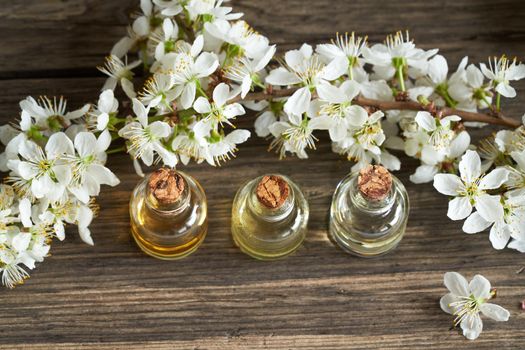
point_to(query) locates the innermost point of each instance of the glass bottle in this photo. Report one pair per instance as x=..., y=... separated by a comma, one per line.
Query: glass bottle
x=369, y=212
x=169, y=214
x=269, y=217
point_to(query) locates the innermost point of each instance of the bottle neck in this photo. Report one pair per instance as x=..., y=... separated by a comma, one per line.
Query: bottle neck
x=270, y=214
x=362, y=202
x=169, y=209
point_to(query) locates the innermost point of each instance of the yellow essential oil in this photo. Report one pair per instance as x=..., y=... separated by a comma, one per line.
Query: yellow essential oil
x=169, y=214
x=269, y=217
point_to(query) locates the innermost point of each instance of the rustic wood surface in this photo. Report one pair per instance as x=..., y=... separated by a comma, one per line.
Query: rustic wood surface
x=113, y=296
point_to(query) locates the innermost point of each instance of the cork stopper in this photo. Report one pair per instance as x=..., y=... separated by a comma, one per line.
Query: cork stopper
x=272, y=191
x=374, y=182
x=166, y=186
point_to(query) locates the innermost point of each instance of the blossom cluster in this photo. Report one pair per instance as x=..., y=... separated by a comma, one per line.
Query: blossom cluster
x=201, y=59
x=204, y=67
x=56, y=167
x=330, y=86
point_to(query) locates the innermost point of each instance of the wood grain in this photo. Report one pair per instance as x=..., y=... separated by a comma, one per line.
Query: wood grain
x=112, y=296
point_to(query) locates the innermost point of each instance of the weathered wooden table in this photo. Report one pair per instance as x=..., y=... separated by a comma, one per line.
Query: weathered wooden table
x=113, y=296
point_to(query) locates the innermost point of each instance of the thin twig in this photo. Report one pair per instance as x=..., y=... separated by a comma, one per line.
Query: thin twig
x=396, y=105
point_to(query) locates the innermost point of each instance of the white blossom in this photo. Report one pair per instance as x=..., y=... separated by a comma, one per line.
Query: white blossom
x=398, y=52
x=146, y=139
x=46, y=170
x=48, y=113
x=501, y=72
x=349, y=47
x=88, y=167
x=119, y=71
x=212, y=10
x=142, y=24
x=169, y=8
x=245, y=71
x=294, y=133
x=187, y=68
x=226, y=147
x=339, y=109
x=107, y=106
x=306, y=69
x=363, y=141
x=434, y=161
x=219, y=111
x=467, y=300
x=439, y=130
x=470, y=91
x=240, y=36
x=470, y=190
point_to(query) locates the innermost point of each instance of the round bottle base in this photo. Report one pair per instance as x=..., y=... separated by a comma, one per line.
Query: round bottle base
x=362, y=249
x=169, y=253
x=266, y=255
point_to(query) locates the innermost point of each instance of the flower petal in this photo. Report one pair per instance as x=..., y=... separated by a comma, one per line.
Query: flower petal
x=480, y=287
x=282, y=77
x=459, y=145
x=263, y=122
x=221, y=94
x=472, y=326
x=238, y=136
x=21, y=241
x=470, y=166
x=141, y=112
x=328, y=92
x=495, y=312
x=102, y=121
x=424, y=174
x=24, y=208
x=506, y=90
x=103, y=142
x=448, y=184
x=519, y=245
x=475, y=223
x=103, y=175
x=85, y=235
x=202, y=105
x=426, y=121
x=298, y=103
x=188, y=95
x=335, y=69
x=456, y=284
x=106, y=101
x=168, y=158
x=197, y=46
x=59, y=144
x=499, y=235
x=489, y=207
x=85, y=143
x=356, y=115
x=494, y=179
x=206, y=64
x=160, y=129
x=445, y=302
x=459, y=208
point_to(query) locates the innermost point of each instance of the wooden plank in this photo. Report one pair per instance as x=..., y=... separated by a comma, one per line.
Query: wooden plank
x=51, y=37
x=114, y=295
x=111, y=296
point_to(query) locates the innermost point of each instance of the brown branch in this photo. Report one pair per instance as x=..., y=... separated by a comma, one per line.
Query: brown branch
x=265, y=95
x=396, y=105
